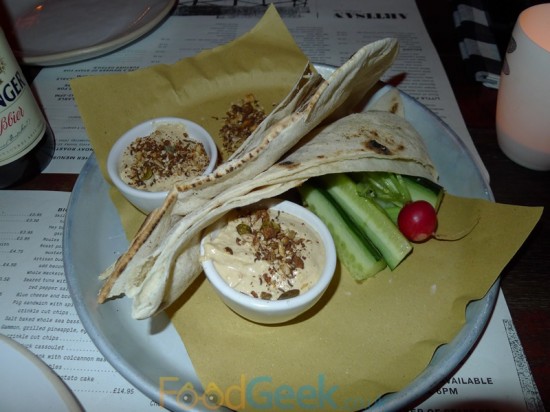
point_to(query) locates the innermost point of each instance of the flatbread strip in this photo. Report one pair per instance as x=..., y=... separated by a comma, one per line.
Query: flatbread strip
x=163, y=258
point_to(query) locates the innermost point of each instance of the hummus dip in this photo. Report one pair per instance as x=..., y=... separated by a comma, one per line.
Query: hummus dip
x=267, y=254
x=157, y=161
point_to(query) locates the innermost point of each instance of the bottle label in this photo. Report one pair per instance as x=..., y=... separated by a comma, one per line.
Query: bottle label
x=22, y=123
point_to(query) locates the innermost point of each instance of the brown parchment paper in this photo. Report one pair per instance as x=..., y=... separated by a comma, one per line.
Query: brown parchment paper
x=361, y=340
x=265, y=61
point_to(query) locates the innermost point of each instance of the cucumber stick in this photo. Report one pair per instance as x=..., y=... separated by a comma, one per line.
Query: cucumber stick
x=369, y=218
x=359, y=257
x=424, y=189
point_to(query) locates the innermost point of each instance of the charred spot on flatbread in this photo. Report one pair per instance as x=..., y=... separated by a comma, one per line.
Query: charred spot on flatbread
x=378, y=147
x=395, y=107
x=289, y=165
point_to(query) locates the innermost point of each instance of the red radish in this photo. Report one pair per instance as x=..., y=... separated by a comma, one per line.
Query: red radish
x=417, y=221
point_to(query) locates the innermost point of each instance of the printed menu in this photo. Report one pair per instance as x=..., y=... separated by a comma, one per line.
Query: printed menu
x=36, y=307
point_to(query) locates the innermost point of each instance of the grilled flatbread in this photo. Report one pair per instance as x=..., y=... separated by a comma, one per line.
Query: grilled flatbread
x=290, y=146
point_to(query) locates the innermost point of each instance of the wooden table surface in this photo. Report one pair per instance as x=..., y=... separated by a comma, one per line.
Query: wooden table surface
x=526, y=280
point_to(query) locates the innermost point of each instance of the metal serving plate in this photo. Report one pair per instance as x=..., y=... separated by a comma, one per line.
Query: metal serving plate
x=143, y=351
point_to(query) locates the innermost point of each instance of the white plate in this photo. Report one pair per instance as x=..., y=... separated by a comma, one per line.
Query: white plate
x=55, y=32
x=28, y=384
x=143, y=351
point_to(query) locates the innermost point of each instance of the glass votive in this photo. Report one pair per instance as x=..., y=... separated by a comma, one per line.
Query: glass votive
x=523, y=104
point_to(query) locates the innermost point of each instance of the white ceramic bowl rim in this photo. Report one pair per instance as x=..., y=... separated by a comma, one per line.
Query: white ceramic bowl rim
x=196, y=132
x=274, y=306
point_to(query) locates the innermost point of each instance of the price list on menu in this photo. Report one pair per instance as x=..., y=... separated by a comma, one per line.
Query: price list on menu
x=36, y=308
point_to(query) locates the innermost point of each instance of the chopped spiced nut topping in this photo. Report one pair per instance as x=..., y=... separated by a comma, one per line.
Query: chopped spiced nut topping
x=273, y=253
x=157, y=161
x=289, y=294
x=281, y=248
x=240, y=121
